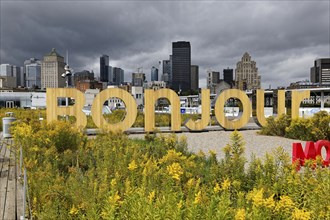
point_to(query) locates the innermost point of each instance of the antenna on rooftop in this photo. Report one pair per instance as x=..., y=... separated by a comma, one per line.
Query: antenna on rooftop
x=67, y=57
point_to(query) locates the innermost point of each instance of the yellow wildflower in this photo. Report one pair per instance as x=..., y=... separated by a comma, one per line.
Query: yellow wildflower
x=269, y=202
x=114, y=199
x=299, y=214
x=73, y=211
x=285, y=204
x=225, y=184
x=172, y=156
x=151, y=196
x=240, y=214
x=258, y=198
x=132, y=165
x=113, y=183
x=175, y=170
x=180, y=204
x=216, y=188
x=198, y=197
x=190, y=183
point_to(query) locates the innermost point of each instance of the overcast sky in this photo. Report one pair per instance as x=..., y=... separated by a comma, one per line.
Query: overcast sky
x=283, y=37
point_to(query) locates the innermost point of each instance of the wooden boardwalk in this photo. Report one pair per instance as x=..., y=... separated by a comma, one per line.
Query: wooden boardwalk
x=11, y=189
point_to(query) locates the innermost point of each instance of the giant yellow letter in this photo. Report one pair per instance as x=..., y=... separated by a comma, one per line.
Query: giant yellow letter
x=53, y=110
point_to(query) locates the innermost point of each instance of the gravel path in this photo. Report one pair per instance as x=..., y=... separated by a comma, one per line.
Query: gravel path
x=217, y=140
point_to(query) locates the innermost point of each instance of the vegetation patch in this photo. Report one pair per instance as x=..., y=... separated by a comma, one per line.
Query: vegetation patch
x=115, y=177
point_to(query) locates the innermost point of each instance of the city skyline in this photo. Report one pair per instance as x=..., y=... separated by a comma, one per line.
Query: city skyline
x=281, y=36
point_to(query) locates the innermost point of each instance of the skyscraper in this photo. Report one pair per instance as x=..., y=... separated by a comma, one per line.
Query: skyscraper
x=320, y=72
x=138, y=79
x=118, y=76
x=213, y=78
x=181, y=66
x=104, y=68
x=32, y=73
x=247, y=77
x=228, y=76
x=52, y=67
x=154, y=74
x=7, y=78
x=194, y=77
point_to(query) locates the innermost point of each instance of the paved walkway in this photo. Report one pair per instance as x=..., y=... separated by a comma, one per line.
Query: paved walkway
x=11, y=190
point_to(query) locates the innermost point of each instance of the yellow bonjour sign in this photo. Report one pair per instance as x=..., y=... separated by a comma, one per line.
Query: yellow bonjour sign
x=151, y=96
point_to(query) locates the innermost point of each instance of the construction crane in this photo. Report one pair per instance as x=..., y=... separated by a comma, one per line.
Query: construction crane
x=139, y=68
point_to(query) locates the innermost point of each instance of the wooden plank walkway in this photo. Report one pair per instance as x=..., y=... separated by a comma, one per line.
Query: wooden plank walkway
x=11, y=189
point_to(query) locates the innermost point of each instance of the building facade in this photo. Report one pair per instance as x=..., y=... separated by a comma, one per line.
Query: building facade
x=118, y=76
x=228, y=76
x=83, y=75
x=8, y=76
x=32, y=73
x=104, y=68
x=320, y=72
x=154, y=74
x=138, y=79
x=181, y=66
x=212, y=78
x=246, y=73
x=194, y=77
x=52, y=67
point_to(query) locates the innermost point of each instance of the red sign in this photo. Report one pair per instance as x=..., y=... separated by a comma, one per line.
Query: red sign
x=312, y=150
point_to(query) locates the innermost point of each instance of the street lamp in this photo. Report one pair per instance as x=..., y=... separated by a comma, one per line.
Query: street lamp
x=67, y=74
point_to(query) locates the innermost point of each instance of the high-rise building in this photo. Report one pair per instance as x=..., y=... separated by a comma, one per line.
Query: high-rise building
x=194, y=77
x=6, y=70
x=212, y=78
x=247, y=77
x=320, y=72
x=154, y=74
x=138, y=79
x=7, y=78
x=181, y=66
x=118, y=76
x=52, y=67
x=104, y=68
x=32, y=73
x=110, y=75
x=228, y=76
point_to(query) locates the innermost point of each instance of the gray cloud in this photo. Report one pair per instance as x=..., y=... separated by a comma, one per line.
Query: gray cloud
x=283, y=37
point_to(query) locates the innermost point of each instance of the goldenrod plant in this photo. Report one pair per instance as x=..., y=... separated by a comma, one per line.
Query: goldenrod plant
x=113, y=176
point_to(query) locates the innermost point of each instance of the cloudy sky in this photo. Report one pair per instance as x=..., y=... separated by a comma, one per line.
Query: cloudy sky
x=283, y=37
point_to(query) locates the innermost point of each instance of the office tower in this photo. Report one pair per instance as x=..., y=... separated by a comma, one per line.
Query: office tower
x=320, y=72
x=194, y=77
x=247, y=77
x=228, y=76
x=104, y=68
x=52, y=68
x=154, y=74
x=160, y=68
x=110, y=75
x=118, y=76
x=7, y=78
x=212, y=78
x=6, y=70
x=32, y=69
x=138, y=79
x=167, y=66
x=181, y=66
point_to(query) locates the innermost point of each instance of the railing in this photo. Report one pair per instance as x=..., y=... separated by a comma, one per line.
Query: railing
x=14, y=196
